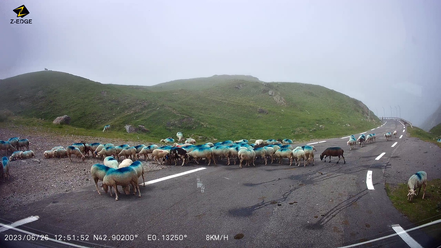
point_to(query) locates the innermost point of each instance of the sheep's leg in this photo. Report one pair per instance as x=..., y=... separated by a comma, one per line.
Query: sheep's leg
x=96, y=185
x=344, y=160
x=338, y=159
x=116, y=192
x=424, y=189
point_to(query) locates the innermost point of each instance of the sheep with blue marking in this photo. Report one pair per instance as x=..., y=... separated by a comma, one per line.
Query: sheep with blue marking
x=14, y=142
x=284, y=153
x=28, y=154
x=416, y=181
x=309, y=153
x=168, y=140
x=361, y=139
x=123, y=176
x=73, y=150
x=352, y=142
x=106, y=151
x=299, y=154
x=388, y=136
x=111, y=162
x=128, y=152
x=98, y=172
x=146, y=151
x=6, y=146
x=246, y=154
x=106, y=128
x=201, y=153
x=180, y=136
x=137, y=165
x=5, y=167
x=23, y=143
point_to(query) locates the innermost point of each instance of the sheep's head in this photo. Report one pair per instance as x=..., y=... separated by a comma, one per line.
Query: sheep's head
x=321, y=157
x=105, y=187
x=411, y=194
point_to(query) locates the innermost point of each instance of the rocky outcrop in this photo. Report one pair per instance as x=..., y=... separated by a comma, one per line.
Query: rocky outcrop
x=65, y=119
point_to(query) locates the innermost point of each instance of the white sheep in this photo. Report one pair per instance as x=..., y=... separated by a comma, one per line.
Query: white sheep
x=98, y=172
x=128, y=152
x=72, y=150
x=124, y=176
x=298, y=153
x=49, y=154
x=5, y=167
x=190, y=141
x=126, y=162
x=180, y=136
x=23, y=143
x=16, y=155
x=111, y=162
x=27, y=154
x=246, y=154
x=415, y=182
x=258, y=142
x=159, y=154
x=201, y=153
x=146, y=151
x=284, y=153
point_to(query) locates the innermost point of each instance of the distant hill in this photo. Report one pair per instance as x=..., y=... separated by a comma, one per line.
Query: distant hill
x=221, y=107
x=432, y=120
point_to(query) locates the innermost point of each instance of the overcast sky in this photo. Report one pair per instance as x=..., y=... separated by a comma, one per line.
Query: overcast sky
x=385, y=53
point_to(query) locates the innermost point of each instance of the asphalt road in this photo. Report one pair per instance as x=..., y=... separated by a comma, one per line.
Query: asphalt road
x=325, y=205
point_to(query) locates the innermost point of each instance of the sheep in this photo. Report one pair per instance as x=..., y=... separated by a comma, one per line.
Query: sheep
x=60, y=153
x=246, y=154
x=49, y=154
x=111, y=162
x=190, y=141
x=395, y=133
x=241, y=141
x=388, y=135
x=159, y=154
x=6, y=146
x=83, y=148
x=74, y=150
x=261, y=152
x=16, y=155
x=351, y=142
x=177, y=152
x=415, y=182
x=27, y=154
x=14, y=142
x=106, y=128
x=370, y=138
x=106, y=151
x=201, y=152
x=287, y=141
x=299, y=153
x=98, y=172
x=53, y=152
x=137, y=165
x=284, y=153
x=333, y=152
x=5, y=167
x=92, y=147
x=361, y=139
x=23, y=143
x=123, y=176
x=128, y=152
x=309, y=153
x=180, y=136
x=258, y=142
x=221, y=151
x=146, y=151
x=126, y=162
x=167, y=140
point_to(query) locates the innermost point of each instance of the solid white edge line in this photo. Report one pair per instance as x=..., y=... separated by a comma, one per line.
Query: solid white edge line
x=19, y=222
x=394, y=144
x=345, y=137
x=406, y=237
x=172, y=176
x=313, y=143
x=391, y=235
x=38, y=235
x=322, y=141
x=369, y=184
x=379, y=156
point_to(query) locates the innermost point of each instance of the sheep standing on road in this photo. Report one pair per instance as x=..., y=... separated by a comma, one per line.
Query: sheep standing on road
x=5, y=167
x=388, y=135
x=333, y=152
x=352, y=142
x=72, y=150
x=416, y=181
x=98, y=172
x=123, y=176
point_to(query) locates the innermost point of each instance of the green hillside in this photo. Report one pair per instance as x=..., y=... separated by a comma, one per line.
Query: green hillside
x=220, y=107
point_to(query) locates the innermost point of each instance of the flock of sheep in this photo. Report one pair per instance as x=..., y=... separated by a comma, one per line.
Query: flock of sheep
x=126, y=173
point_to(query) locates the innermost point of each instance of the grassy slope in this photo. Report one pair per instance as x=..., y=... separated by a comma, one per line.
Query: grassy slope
x=222, y=107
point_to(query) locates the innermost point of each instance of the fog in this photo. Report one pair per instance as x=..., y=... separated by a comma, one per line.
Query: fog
x=385, y=53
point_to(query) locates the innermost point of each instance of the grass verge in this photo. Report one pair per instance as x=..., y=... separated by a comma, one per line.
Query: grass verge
x=419, y=211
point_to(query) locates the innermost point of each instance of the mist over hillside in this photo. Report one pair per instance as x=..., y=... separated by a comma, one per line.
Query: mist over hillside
x=433, y=120
x=217, y=107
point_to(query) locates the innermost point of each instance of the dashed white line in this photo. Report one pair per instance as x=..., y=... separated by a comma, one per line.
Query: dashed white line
x=369, y=184
x=404, y=130
x=405, y=236
x=172, y=176
x=394, y=144
x=401, y=136
x=379, y=156
x=19, y=223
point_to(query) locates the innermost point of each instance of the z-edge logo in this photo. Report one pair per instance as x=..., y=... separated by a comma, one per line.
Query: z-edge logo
x=21, y=11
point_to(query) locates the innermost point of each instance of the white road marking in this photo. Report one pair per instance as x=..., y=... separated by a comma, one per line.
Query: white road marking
x=372, y=129
x=401, y=136
x=405, y=236
x=379, y=156
x=313, y=143
x=322, y=141
x=394, y=144
x=172, y=176
x=345, y=137
x=392, y=235
x=369, y=184
x=404, y=130
x=19, y=223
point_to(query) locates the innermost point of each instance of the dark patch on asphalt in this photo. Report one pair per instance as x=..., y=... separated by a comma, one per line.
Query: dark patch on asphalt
x=239, y=236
